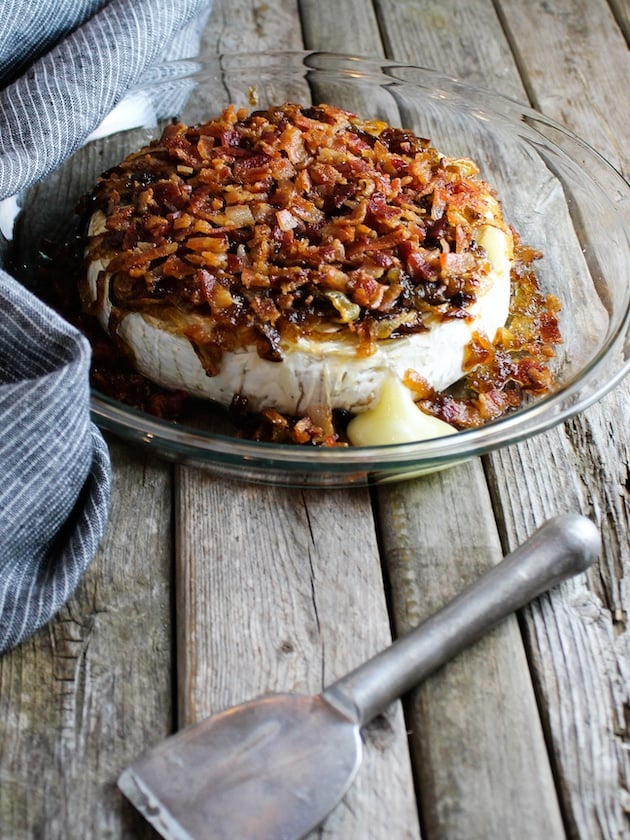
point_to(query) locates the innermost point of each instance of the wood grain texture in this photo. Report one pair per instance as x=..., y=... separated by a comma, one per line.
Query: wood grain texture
x=348, y=28
x=71, y=716
x=621, y=11
x=249, y=25
x=583, y=465
x=579, y=648
x=281, y=590
x=481, y=758
x=459, y=39
x=474, y=727
x=573, y=60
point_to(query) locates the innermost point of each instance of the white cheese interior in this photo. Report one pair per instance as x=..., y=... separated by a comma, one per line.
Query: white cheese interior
x=315, y=372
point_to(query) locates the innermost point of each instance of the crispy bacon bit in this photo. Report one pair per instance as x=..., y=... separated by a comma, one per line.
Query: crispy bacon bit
x=478, y=351
x=286, y=220
x=272, y=224
x=502, y=373
x=316, y=198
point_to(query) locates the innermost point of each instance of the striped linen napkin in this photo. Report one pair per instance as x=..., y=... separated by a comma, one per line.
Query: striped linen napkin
x=64, y=65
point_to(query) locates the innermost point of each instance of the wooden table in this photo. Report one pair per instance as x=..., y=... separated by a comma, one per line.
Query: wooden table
x=207, y=592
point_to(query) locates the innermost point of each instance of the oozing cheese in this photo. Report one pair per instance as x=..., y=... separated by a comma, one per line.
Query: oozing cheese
x=395, y=419
x=324, y=372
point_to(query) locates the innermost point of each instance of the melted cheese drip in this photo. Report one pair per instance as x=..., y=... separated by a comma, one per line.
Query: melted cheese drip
x=395, y=419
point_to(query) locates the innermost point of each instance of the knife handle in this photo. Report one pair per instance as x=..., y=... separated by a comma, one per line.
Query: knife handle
x=562, y=547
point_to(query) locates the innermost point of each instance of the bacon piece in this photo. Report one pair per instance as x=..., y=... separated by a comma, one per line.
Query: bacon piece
x=282, y=221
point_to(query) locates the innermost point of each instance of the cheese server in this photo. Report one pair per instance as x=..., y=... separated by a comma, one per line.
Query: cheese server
x=273, y=768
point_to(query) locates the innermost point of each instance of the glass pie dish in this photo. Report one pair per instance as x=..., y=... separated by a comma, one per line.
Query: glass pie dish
x=562, y=197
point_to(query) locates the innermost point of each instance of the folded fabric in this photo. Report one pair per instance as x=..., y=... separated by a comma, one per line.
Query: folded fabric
x=54, y=464
x=49, y=110
x=64, y=65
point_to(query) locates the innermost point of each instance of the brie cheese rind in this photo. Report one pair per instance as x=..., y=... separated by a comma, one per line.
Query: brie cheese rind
x=313, y=371
x=367, y=213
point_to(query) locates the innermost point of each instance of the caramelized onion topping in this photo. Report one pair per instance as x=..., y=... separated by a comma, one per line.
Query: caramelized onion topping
x=272, y=224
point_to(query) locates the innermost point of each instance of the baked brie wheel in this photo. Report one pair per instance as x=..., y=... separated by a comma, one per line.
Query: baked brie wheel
x=298, y=258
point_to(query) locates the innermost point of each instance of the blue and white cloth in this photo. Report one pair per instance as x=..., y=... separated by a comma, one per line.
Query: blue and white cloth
x=64, y=65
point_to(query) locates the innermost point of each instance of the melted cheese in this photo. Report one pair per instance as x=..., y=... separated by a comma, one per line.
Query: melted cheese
x=326, y=372
x=395, y=419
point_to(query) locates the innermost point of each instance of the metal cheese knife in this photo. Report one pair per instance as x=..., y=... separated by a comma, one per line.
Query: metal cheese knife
x=273, y=768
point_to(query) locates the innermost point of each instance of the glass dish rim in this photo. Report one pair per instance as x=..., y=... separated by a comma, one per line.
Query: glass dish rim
x=532, y=419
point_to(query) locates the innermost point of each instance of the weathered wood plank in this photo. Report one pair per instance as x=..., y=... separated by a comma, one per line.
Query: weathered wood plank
x=621, y=11
x=248, y=25
x=482, y=763
x=291, y=578
x=580, y=647
x=583, y=465
x=281, y=590
x=460, y=39
x=356, y=32
x=99, y=677
x=82, y=697
x=530, y=489
x=475, y=729
x=573, y=59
